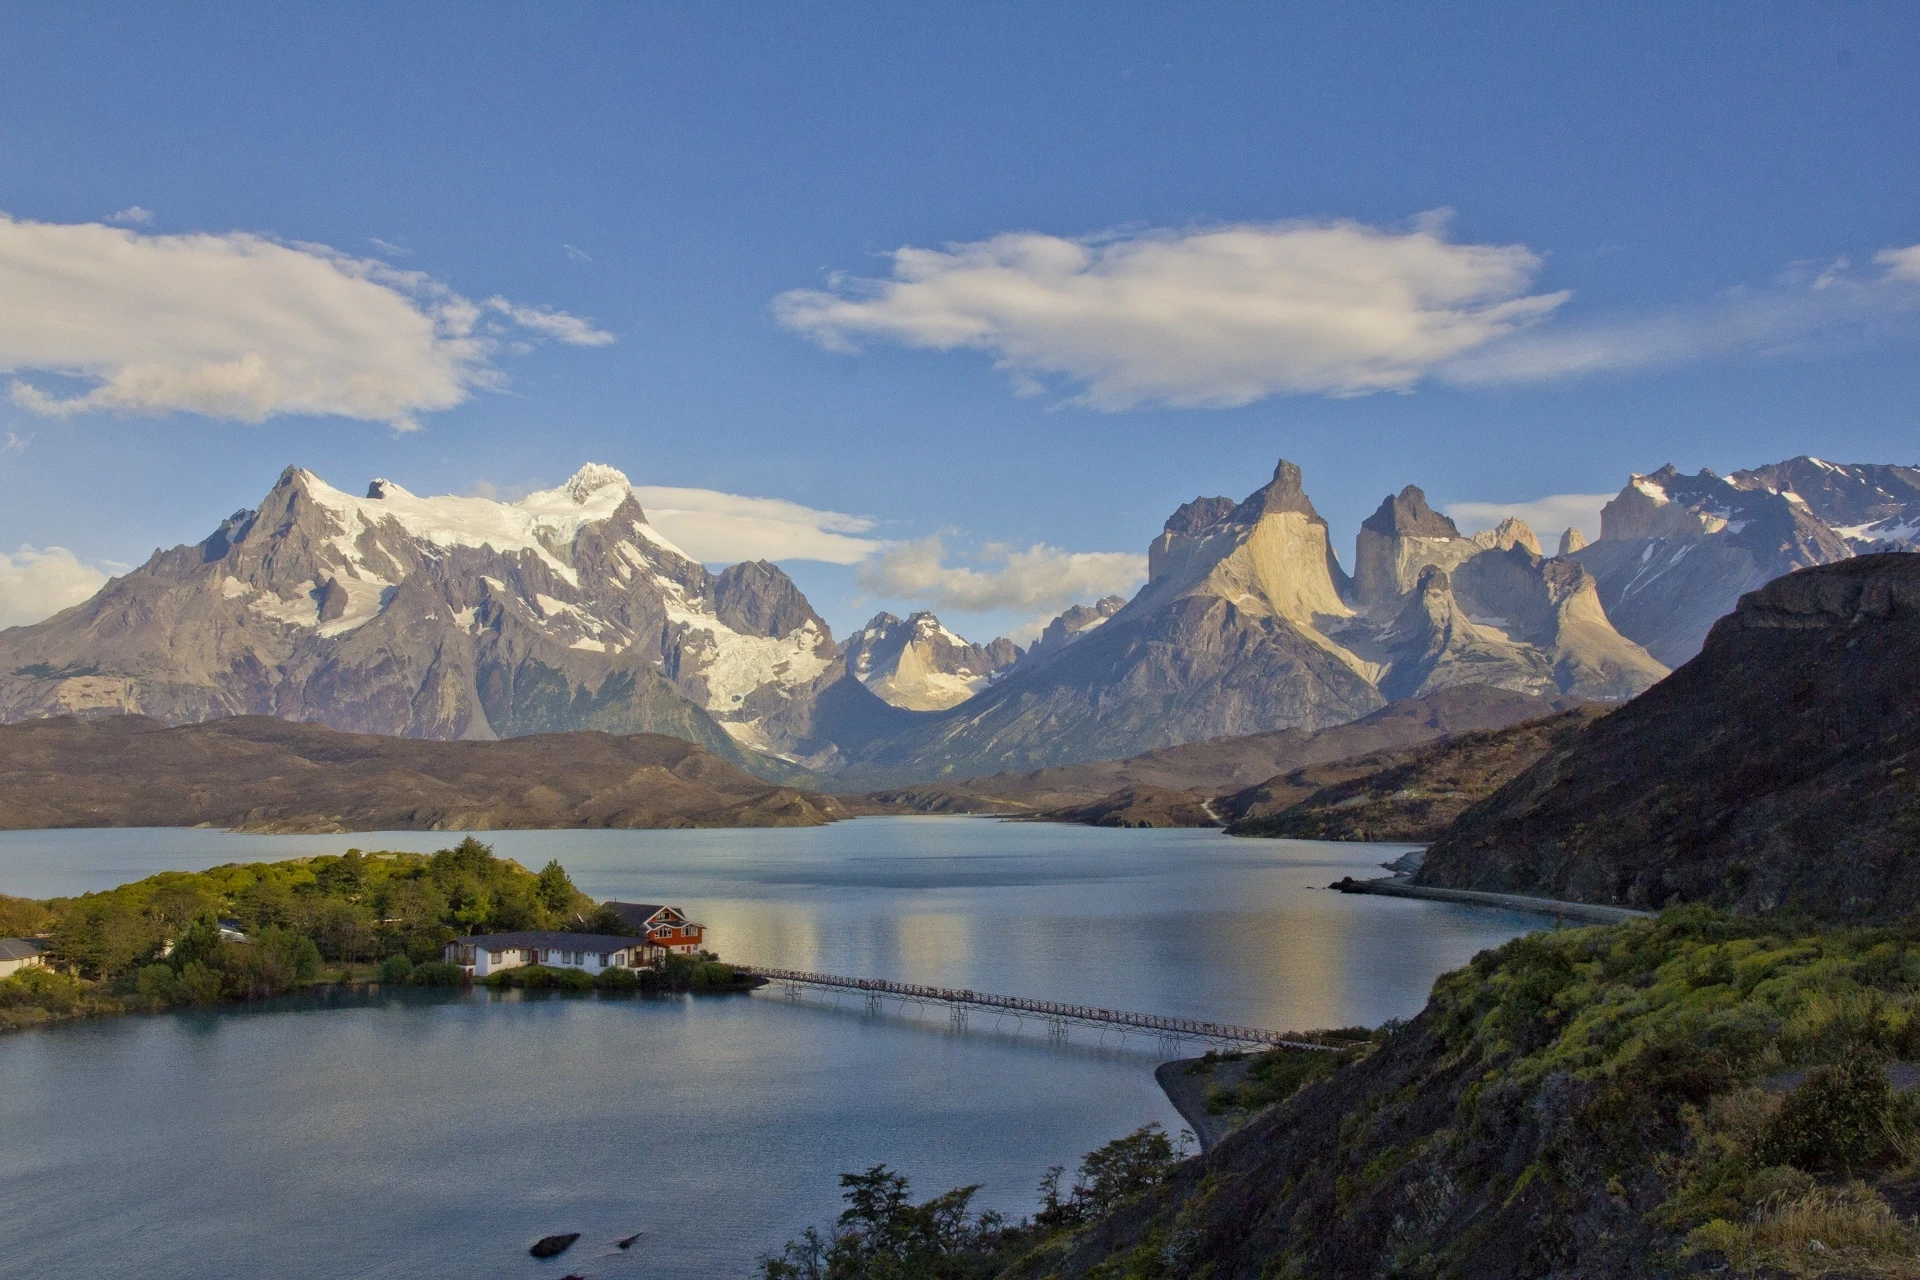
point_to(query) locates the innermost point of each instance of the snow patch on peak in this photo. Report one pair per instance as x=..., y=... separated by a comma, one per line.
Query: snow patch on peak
x=592, y=478
x=1651, y=489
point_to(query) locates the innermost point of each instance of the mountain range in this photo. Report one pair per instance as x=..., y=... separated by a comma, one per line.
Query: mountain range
x=467, y=618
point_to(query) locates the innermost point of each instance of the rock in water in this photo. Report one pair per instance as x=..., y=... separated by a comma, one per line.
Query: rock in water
x=627, y=1243
x=554, y=1246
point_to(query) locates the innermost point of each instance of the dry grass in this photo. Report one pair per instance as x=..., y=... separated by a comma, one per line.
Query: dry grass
x=1848, y=1229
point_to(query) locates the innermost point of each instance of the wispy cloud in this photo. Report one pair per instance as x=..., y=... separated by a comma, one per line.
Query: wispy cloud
x=1039, y=578
x=131, y=216
x=578, y=255
x=36, y=584
x=389, y=248
x=1807, y=308
x=557, y=325
x=1224, y=316
x=1214, y=317
x=240, y=326
x=1548, y=517
x=726, y=528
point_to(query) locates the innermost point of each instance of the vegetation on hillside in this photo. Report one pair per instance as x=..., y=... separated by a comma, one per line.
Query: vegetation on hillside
x=158, y=942
x=884, y=1235
x=1691, y=1093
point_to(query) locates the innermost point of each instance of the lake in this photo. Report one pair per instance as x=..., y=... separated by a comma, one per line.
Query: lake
x=419, y=1134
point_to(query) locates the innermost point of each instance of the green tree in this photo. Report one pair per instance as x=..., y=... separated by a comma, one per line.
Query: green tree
x=555, y=891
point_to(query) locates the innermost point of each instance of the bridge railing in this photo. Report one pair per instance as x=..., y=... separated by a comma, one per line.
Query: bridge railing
x=1186, y=1028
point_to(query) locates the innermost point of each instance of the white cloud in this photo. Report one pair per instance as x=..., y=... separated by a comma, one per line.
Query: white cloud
x=554, y=324
x=1548, y=517
x=1901, y=264
x=578, y=255
x=38, y=584
x=725, y=528
x=238, y=326
x=1041, y=578
x=1224, y=316
x=132, y=215
x=1214, y=317
x=1806, y=308
x=389, y=248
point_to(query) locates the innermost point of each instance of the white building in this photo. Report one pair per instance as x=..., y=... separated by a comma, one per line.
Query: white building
x=21, y=953
x=487, y=953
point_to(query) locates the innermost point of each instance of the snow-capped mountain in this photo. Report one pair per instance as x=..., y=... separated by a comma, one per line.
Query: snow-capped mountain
x=1676, y=552
x=1873, y=506
x=444, y=617
x=920, y=665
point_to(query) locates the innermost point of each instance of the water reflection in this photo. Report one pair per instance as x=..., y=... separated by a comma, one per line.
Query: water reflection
x=422, y=1133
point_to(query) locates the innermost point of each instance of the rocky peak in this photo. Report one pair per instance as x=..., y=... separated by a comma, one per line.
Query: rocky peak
x=920, y=665
x=1285, y=492
x=1402, y=537
x=1407, y=515
x=1076, y=622
x=756, y=598
x=1511, y=532
x=1196, y=517
x=1571, y=541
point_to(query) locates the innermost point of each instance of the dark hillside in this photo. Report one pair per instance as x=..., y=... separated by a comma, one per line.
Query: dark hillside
x=1778, y=768
x=265, y=774
x=1409, y=794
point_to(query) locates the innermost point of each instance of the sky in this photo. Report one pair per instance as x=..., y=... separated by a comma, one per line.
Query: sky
x=940, y=307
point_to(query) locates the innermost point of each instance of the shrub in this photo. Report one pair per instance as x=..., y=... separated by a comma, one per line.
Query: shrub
x=1842, y=1117
x=396, y=969
x=575, y=980
x=707, y=976
x=617, y=980
x=437, y=973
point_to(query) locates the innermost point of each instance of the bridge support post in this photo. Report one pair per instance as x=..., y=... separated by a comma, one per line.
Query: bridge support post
x=1057, y=1030
x=875, y=1005
x=957, y=1016
x=793, y=991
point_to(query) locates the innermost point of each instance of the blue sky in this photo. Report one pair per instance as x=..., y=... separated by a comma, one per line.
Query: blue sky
x=1157, y=247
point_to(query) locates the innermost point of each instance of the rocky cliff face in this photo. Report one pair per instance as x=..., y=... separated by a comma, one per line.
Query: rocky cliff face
x=1777, y=768
x=920, y=665
x=431, y=618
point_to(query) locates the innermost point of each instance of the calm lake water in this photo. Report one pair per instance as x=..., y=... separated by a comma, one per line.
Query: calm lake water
x=416, y=1134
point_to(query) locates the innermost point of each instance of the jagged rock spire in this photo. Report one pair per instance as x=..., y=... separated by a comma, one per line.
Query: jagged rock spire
x=1283, y=493
x=1406, y=514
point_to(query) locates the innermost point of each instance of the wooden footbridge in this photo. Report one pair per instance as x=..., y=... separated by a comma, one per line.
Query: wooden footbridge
x=1058, y=1017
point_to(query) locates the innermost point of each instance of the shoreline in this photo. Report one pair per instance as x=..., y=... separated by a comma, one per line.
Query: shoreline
x=1399, y=886
x=1188, y=1094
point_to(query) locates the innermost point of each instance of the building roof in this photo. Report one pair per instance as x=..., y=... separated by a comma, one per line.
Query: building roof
x=635, y=913
x=546, y=940
x=21, y=948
